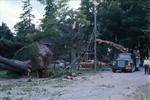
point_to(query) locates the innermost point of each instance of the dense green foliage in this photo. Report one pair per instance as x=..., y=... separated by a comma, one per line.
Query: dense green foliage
x=25, y=26
x=123, y=21
x=8, y=45
x=5, y=32
x=29, y=52
x=8, y=48
x=126, y=22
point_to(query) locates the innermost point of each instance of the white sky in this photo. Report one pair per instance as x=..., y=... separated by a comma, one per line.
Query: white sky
x=10, y=11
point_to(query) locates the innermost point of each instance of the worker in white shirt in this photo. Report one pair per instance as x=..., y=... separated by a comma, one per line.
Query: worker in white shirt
x=146, y=65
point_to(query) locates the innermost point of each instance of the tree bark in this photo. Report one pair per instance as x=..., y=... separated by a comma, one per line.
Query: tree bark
x=73, y=57
x=115, y=45
x=14, y=64
x=9, y=68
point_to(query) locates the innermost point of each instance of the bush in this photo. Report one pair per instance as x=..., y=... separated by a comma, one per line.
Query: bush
x=58, y=72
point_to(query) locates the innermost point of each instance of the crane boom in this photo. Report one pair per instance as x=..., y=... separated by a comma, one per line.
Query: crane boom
x=115, y=45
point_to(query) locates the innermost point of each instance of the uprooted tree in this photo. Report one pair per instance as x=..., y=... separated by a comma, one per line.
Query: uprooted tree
x=32, y=59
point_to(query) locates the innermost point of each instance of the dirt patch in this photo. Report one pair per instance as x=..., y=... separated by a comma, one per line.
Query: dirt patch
x=142, y=93
x=103, y=86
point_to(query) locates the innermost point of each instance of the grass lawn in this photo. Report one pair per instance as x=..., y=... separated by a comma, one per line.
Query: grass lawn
x=3, y=74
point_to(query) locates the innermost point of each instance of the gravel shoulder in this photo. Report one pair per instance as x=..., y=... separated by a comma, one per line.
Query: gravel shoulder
x=101, y=86
x=142, y=93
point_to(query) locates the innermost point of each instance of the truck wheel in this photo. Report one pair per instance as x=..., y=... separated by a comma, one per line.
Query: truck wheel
x=137, y=69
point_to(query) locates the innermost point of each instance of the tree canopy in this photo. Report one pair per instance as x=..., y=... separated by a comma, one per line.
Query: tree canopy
x=126, y=22
x=5, y=32
x=122, y=21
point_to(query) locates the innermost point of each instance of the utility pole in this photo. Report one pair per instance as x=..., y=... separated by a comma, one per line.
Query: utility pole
x=95, y=34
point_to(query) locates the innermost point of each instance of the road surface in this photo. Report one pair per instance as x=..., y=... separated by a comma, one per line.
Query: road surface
x=101, y=86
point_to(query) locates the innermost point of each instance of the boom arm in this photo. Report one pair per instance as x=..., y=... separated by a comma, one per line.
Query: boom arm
x=115, y=45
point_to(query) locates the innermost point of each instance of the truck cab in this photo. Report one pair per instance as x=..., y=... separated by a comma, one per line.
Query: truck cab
x=124, y=62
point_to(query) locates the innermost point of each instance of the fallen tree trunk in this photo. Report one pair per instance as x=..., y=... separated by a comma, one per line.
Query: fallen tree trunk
x=19, y=65
x=8, y=68
x=33, y=58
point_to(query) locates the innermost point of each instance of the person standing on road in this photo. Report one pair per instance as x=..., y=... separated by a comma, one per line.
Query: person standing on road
x=146, y=65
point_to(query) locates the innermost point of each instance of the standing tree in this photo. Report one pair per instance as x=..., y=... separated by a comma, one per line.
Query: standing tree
x=49, y=21
x=55, y=14
x=72, y=33
x=25, y=26
x=8, y=45
x=5, y=32
x=52, y=18
x=123, y=21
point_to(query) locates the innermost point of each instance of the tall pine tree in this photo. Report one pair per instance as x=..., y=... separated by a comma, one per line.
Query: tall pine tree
x=25, y=26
